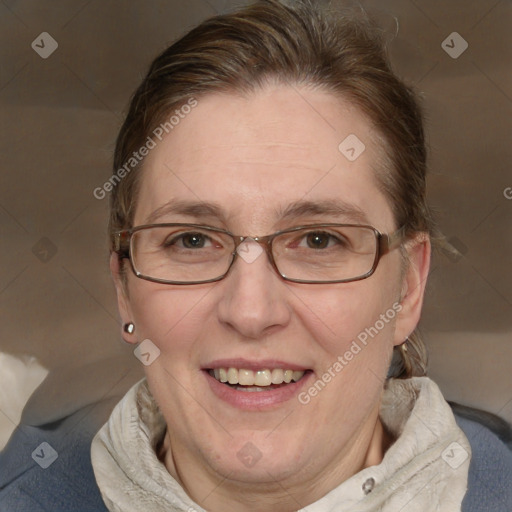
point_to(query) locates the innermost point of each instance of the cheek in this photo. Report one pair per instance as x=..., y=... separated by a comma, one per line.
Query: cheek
x=171, y=317
x=354, y=328
x=337, y=316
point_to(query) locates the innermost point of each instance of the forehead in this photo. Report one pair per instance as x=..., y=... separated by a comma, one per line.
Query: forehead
x=254, y=156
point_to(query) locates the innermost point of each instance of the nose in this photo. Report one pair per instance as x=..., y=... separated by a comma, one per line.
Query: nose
x=253, y=301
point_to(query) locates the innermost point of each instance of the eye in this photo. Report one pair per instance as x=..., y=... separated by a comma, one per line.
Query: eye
x=189, y=240
x=194, y=240
x=319, y=240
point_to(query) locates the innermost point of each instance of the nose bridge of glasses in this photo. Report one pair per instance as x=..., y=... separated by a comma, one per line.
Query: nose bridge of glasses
x=261, y=240
x=249, y=248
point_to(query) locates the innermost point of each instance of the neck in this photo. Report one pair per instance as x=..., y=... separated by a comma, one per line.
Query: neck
x=217, y=493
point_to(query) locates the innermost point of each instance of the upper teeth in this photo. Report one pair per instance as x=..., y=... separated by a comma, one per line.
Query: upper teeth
x=256, y=378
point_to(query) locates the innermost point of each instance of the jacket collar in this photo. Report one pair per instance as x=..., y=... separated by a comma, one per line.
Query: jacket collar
x=426, y=469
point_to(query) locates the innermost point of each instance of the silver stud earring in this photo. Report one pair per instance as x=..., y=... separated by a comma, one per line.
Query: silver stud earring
x=129, y=327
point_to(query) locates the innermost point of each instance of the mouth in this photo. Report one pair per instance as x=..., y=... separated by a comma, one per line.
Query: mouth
x=265, y=379
x=256, y=385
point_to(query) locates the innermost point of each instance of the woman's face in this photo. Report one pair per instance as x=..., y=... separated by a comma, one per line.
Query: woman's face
x=240, y=163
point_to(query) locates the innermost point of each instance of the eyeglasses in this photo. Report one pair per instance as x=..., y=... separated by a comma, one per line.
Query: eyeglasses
x=193, y=254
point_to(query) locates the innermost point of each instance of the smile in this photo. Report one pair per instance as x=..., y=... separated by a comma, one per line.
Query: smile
x=256, y=385
x=255, y=380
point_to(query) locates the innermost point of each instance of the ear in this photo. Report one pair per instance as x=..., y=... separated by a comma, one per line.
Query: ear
x=123, y=302
x=413, y=286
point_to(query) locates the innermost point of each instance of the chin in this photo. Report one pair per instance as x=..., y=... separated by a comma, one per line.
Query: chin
x=255, y=458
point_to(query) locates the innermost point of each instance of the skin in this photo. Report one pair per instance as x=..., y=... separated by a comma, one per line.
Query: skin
x=253, y=156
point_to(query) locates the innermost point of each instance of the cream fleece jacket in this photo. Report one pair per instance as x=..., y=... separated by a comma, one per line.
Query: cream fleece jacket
x=425, y=470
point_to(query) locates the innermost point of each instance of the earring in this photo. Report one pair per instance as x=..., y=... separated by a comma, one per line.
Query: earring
x=403, y=346
x=129, y=327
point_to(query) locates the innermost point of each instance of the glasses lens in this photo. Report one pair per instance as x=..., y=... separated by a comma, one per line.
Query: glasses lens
x=181, y=253
x=327, y=253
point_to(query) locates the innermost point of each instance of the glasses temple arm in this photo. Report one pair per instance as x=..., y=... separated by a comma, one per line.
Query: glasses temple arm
x=121, y=244
x=392, y=240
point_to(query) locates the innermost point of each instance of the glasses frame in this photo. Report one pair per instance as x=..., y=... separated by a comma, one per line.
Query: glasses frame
x=122, y=242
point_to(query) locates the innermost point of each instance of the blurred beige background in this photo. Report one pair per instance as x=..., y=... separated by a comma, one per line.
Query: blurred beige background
x=59, y=120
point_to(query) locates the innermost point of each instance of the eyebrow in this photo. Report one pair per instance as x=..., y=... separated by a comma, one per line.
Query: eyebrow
x=298, y=209
x=326, y=207
x=197, y=209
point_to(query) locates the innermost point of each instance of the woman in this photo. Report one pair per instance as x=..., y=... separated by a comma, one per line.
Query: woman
x=270, y=249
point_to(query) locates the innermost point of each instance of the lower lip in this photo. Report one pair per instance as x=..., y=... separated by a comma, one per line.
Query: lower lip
x=256, y=400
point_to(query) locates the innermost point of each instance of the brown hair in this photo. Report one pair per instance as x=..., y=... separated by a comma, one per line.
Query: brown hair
x=301, y=45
